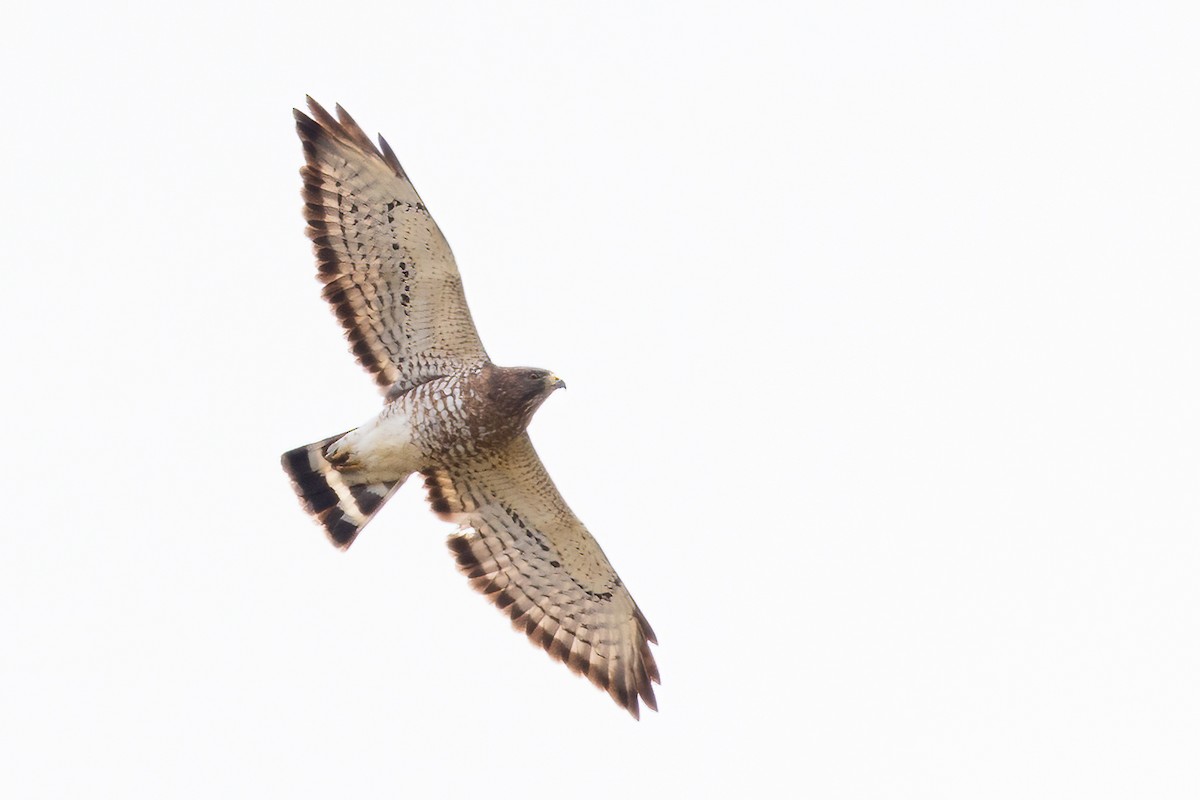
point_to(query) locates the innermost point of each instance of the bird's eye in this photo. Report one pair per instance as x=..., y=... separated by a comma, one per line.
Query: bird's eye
x=535, y=376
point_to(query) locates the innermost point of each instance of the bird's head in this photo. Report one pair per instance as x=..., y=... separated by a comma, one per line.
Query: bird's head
x=519, y=391
x=534, y=385
x=542, y=381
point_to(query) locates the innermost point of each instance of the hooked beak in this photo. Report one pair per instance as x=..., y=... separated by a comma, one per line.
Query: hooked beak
x=556, y=382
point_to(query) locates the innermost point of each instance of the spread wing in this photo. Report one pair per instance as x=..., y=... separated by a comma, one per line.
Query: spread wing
x=523, y=548
x=387, y=269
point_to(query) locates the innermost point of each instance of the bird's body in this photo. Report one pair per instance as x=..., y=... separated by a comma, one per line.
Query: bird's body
x=443, y=422
x=451, y=415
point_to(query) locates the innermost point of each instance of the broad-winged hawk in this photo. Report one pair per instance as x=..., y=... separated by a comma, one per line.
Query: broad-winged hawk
x=451, y=415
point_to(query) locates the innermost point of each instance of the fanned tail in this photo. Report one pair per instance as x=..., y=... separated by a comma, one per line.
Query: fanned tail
x=341, y=506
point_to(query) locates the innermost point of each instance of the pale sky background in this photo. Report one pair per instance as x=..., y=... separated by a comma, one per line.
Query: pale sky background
x=880, y=322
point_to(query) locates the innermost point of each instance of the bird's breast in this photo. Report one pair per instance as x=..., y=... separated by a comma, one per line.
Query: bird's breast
x=453, y=420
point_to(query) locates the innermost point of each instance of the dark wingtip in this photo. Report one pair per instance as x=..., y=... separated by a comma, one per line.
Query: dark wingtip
x=314, y=106
x=389, y=156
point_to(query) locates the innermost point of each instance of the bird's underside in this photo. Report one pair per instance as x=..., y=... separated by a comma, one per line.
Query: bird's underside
x=452, y=416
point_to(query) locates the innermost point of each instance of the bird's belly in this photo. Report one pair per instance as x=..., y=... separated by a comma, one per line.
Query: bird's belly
x=380, y=450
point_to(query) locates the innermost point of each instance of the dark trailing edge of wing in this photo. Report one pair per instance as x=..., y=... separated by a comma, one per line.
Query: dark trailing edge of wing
x=344, y=296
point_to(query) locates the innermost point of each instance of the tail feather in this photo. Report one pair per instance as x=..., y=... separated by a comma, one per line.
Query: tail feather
x=341, y=506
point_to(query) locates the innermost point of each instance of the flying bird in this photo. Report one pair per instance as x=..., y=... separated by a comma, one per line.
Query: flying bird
x=450, y=415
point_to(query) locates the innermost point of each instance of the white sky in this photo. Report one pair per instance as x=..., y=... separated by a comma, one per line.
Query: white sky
x=880, y=322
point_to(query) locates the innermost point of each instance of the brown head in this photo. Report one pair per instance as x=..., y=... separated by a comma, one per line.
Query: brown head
x=514, y=393
x=518, y=391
